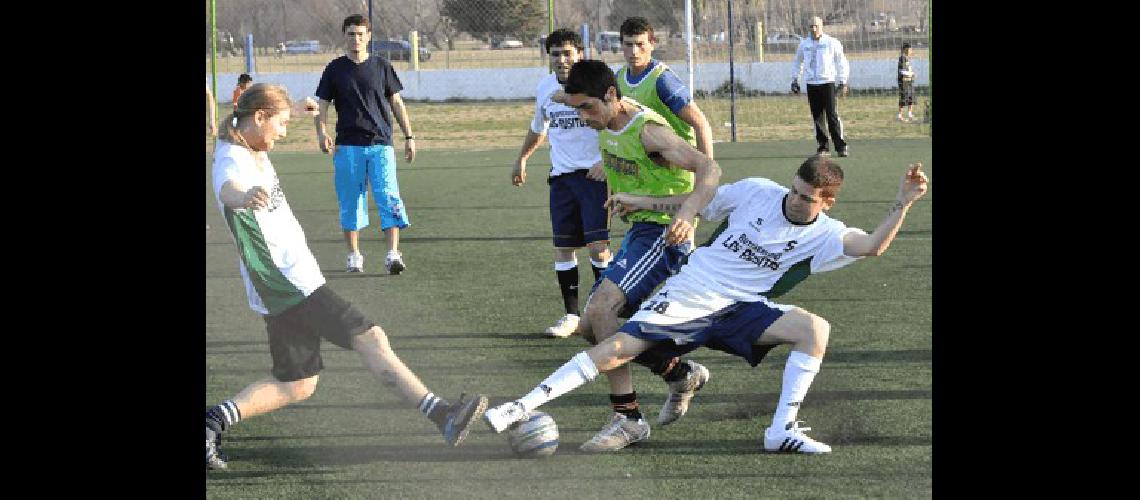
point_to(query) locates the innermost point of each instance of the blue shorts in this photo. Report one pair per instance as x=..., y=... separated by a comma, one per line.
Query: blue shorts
x=643, y=262
x=681, y=324
x=577, y=212
x=358, y=167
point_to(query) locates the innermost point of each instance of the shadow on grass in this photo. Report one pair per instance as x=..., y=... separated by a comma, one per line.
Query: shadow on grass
x=344, y=455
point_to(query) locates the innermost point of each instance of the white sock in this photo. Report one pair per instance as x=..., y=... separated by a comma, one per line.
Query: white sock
x=600, y=265
x=572, y=375
x=566, y=266
x=799, y=372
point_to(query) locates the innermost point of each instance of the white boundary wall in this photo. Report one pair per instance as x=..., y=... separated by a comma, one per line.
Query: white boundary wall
x=520, y=83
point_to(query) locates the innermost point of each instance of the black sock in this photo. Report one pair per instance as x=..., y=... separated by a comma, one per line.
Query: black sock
x=568, y=283
x=435, y=408
x=656, y=360
x=626, y=404
x=679, y=372
x=222, y=416
x=597, y=271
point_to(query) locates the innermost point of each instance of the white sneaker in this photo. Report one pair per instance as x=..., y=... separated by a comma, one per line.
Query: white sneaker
x=792, y=440
x=502, y=416
x=564, y=328
x=900, y=118
x=681, y=392
x=619, y=433
x=355, y=263
x=394, y=262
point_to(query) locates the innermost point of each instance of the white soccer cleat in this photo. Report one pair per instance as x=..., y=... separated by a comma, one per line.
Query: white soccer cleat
x=394, y=262
x=619, y=433
x=792, y=440
x=502, y=416
x=681, y=392
x=355, y=263
x=564, y=328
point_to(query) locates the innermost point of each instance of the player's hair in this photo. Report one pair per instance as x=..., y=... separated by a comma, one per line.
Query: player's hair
x=244, y=78
x=634, y=26
x=355, y=20
x=562, y=36
x=591, y=77
x=823, y=173
x=904, y=47
x=263, y=96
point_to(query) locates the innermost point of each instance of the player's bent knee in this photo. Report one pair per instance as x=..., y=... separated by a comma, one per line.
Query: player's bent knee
x=599, y=250
x=373, y=339
x=300, y=390
x=821, y=332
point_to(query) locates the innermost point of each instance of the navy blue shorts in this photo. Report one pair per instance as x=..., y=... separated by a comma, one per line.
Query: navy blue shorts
x=643, y=262
x=577, y=214
x=732, y=329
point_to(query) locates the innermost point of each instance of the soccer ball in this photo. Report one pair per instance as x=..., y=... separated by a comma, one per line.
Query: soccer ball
x=536, y=436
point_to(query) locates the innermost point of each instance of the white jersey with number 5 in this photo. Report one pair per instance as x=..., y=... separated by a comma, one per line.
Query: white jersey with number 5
x=573, y=144
x=760, y=253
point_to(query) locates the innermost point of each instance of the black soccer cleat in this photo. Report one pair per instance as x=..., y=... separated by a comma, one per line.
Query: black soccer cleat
x=215, y=460
x=460, y=417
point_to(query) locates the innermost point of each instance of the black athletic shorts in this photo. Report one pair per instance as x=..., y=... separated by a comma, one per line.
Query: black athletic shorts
x=906, y=94
x=295, y=334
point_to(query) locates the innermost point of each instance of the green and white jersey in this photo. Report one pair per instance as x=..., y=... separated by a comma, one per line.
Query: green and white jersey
x=629, y=169
x=760, y=253
x=275, y=262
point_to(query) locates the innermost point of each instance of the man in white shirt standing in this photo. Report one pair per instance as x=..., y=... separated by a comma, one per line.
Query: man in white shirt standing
x=577, y=181
x=826, y=78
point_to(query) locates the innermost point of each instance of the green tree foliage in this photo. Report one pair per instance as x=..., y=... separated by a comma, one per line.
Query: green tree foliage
x=525, y=19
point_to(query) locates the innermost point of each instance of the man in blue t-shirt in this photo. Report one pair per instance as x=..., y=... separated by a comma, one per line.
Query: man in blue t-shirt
x=364, y=90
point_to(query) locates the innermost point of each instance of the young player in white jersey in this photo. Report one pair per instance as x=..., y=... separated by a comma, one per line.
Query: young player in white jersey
x=774, y=238
x=285, y=285
x=577, y=181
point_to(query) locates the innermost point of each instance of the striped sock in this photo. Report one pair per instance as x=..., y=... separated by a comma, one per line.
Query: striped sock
x=435, y=408
x=626, y=404
x=222, y=416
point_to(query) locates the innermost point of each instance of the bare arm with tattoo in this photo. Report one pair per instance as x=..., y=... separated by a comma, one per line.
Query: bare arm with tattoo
x=624, y=203
x=658, y=139
x=911, y=188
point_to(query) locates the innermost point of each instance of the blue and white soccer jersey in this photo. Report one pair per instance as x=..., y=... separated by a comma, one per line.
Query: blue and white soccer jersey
x=577, y=215
x=721, y=296
x=643, y=262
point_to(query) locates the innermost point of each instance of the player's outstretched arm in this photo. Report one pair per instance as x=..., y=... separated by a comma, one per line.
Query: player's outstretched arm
x=911, y=188
x=237, y=197
x=658, y=139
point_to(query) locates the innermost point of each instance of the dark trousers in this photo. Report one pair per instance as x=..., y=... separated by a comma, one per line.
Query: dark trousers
x=821, y=98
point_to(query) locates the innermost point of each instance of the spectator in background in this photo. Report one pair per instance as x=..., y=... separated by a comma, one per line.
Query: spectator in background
x=906, y=85
x=364, y=89
x=244, y=81
x=826, y=79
